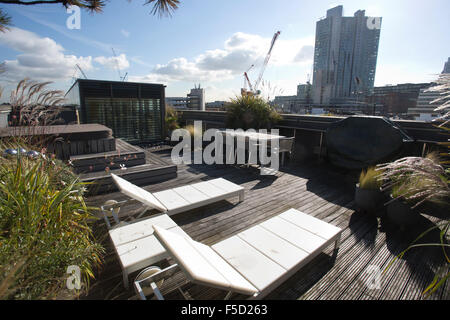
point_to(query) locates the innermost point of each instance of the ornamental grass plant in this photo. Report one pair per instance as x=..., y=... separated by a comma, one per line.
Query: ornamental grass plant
x=45, y=227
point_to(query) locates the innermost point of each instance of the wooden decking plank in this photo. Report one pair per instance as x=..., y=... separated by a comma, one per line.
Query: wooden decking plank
x=310, y=189
x=359, y=288
x=355, y=270
x=351, y=247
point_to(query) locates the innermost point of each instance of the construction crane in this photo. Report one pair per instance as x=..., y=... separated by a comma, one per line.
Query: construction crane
x=81, y=70
x=244, y=90
x=117, y=66
x=254, y=90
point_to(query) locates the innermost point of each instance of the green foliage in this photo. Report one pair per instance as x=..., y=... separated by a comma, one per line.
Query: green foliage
x=368, y=179
x=193, y=130
x=416, y=180
x=443, y=273
x=5, y=21
x=44, y=228
x=163, y=7
x=171, y=119
x=251, y=112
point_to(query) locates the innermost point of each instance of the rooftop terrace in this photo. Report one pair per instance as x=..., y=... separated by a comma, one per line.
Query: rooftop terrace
x=319, y=190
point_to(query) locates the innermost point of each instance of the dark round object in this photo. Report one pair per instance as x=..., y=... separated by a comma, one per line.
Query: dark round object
x=33, y=154
x=401, y=213
x=369, y=200
x=10, y=152
x=358, y=142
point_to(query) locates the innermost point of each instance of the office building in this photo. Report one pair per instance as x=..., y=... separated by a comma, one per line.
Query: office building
x=196, y=99
x=424, y=110
x=345, y=56
x=179, y=103
x=447, y=67
x=298, y=104
x=304, y=91
x=397, y=99
x=216, y=106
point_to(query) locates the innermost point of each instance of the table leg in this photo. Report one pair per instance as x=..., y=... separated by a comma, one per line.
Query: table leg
x=125, y=279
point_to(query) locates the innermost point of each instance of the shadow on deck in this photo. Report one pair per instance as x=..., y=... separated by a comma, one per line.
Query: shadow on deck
x=366, y=245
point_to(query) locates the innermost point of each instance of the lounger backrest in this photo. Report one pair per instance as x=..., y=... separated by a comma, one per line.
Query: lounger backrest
x=138, y=193
x=201, y=264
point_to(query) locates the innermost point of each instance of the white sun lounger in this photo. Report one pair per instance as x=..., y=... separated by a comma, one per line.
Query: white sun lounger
x=253, y=262
x=137, y=247
x=135, y=244
x=181, y=199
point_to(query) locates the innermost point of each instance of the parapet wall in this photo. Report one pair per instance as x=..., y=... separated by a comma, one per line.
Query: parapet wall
x=310, y=132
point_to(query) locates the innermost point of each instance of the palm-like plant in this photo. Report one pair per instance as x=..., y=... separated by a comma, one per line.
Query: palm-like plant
x=5, y=20
x=163, y=7
x=160, y=7
x=250, y=112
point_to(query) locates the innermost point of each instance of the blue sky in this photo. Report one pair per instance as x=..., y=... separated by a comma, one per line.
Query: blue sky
x=213, y=42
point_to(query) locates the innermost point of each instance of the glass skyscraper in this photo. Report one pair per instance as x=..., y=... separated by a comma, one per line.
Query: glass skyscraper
x=345, y=56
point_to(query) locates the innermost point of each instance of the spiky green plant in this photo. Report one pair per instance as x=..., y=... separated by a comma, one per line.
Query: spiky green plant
x=163, y=7
x=250, y=112
x=368, y=179
x=416, y=179
x=171, y=119
x=44, y=228
x=33, y=104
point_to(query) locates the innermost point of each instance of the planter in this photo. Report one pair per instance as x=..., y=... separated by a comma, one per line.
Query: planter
x=369, y=200
x=401, y=213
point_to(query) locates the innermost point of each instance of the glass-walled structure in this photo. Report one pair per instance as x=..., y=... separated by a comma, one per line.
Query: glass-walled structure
x=134, y=111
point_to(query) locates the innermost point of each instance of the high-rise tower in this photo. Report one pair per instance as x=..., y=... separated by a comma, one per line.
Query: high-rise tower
x=345, y=55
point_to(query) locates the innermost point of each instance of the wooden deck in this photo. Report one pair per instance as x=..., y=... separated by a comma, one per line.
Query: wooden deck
x=143, y=167
x=125, y=154
x=317, y=190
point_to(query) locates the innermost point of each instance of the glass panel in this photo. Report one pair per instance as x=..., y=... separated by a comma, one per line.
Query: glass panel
x=133, y=120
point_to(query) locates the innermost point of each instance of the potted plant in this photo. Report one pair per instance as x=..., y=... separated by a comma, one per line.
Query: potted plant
x=251, y=112
x=368, y=195
x=171, y=121
x=413, y=181
x=398, y=209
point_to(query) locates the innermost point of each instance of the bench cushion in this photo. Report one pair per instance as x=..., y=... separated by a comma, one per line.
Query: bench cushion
x=138, y=193
x=201, y=264
x=255, y=260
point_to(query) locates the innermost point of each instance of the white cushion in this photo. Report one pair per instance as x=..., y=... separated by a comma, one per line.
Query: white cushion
x=201, y=264
x=138, y=193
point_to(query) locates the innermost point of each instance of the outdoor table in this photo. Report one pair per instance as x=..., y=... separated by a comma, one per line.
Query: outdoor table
x=250, y=137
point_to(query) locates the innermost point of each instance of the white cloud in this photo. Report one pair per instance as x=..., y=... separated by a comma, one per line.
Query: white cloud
x=240, y=51
x=39, y=58
x=125, y=33
x=119, y=61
